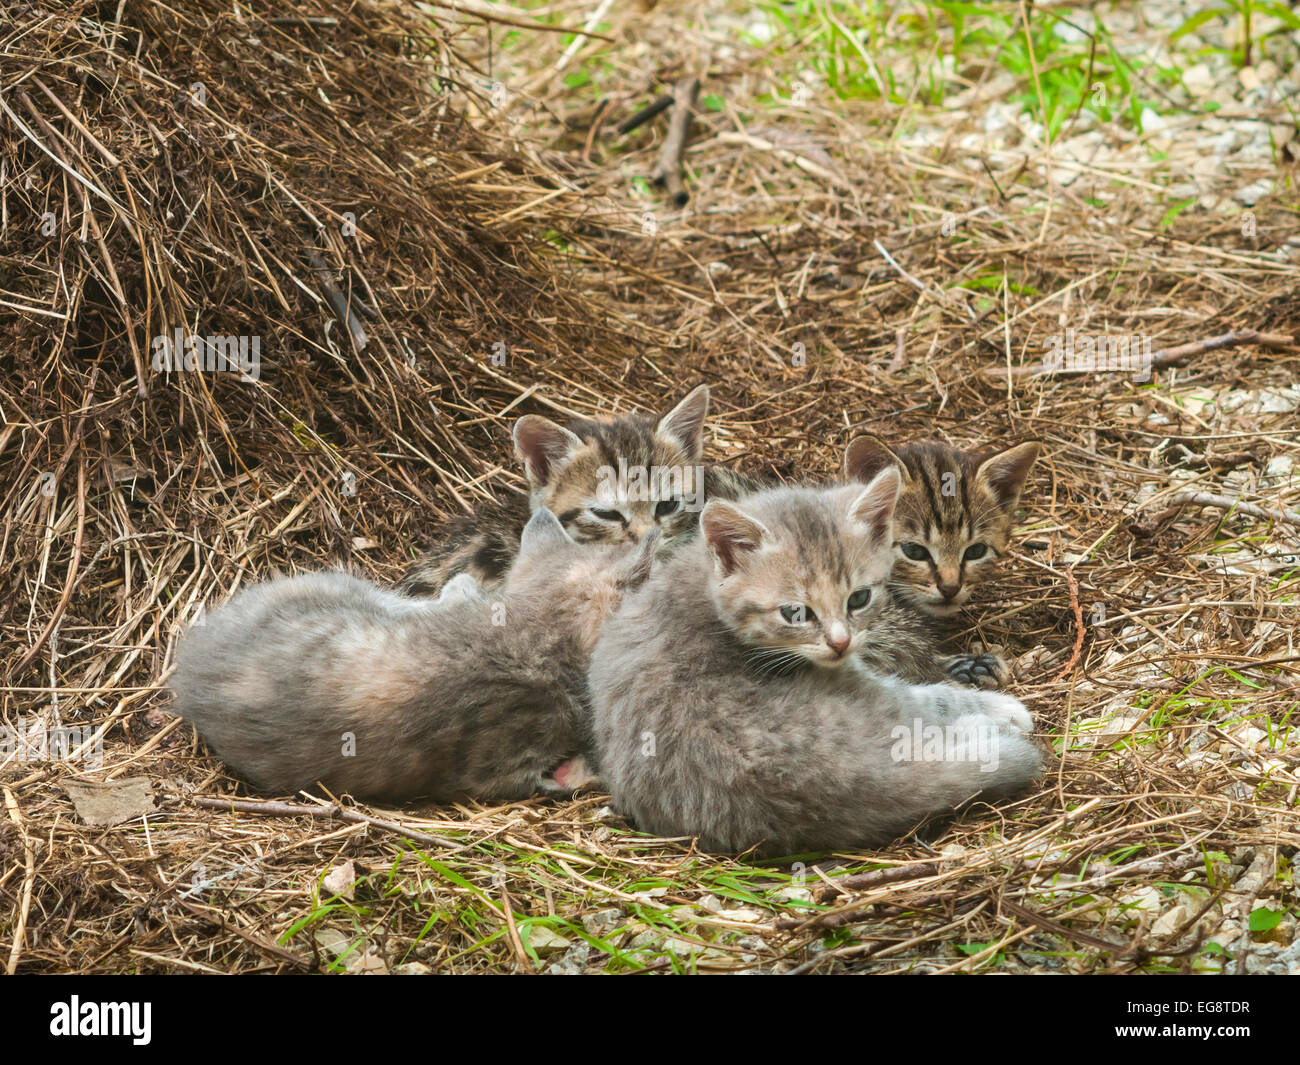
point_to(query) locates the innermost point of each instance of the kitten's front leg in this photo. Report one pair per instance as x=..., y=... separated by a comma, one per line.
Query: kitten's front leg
x=945, y=704
x=462, y=588
x=987, y=672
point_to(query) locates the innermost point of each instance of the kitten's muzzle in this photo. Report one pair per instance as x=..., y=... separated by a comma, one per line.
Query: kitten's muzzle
x=948, y=590
x=838, y=639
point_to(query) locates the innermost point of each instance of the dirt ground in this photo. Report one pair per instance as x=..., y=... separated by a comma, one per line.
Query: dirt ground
x=889, y=236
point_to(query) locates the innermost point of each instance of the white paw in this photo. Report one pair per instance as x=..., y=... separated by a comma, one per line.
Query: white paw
x=462, y=588
x=1007, y=710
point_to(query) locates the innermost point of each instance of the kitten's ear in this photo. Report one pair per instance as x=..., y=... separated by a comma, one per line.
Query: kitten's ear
x=685, y=422
x=542, y=533
x=637, y=569
x=874, y=506
x=1004, y=474
x=730, y=533
x=866, y=456
x=542, y=446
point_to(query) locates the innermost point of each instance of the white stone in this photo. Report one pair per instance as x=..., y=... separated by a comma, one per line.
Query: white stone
x=602, y=922
x=1279, y=469
x=1253, y=193
x=544, y=940
x=1143, y=899
x=1151, y=121
x=1198, y=80
x=1171, y=920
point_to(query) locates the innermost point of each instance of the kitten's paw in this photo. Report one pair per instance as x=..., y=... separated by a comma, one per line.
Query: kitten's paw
x=462, y=588
x=1007, y=710
x=984, y=671
x=568, y=777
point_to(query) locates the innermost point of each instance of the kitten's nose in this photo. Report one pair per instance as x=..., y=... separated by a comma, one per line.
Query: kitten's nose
x=637, y=532
x=837, y=638
x=948, y=588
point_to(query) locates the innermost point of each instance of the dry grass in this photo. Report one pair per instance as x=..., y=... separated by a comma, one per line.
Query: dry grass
x=169, y=491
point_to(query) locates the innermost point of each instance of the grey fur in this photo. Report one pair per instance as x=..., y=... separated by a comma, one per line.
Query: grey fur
x=468, y=695
x=746, y=743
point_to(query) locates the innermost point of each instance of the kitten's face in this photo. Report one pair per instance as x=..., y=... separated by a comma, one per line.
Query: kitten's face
x=799, y=573
x=579, y=585
x=954, y=517
x=614, y=480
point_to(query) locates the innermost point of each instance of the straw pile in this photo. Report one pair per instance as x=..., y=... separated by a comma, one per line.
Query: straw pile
x=308, y=180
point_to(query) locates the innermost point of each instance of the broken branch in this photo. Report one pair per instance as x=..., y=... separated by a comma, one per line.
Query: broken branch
x=668, y=171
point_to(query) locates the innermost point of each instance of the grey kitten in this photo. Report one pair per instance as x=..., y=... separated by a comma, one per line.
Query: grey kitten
x=328, y=678
x=730, y=702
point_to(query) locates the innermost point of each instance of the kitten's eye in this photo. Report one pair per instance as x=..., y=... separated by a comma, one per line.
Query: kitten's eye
x=666, y=507
x=797, y=614
x=975, y=551
x=860, y=598
x=606, y=515
x=915, y=552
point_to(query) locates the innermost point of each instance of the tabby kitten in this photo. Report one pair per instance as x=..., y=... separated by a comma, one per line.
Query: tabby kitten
x=730, y=702
x=328, y=678
x=952, y=525
x=573, y=472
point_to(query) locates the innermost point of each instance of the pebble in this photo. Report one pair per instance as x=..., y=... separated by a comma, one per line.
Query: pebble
x=602, y=922
x=1198, y=80
x=1279, y=470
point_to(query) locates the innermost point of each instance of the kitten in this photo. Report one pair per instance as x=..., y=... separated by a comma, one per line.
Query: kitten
x=328, y=678
x=730, y=703
x=574, y=472
x=952, y=525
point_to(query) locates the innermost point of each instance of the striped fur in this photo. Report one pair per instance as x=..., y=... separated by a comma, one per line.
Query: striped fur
x=564, y=467
x=955, y=504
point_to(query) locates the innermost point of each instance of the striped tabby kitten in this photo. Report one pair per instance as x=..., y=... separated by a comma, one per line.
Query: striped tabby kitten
x=575, y=473
x=952, y=525
x=730, y=701
x=325, y=677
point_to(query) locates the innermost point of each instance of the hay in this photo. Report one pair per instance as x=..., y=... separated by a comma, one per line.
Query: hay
x=214, y=209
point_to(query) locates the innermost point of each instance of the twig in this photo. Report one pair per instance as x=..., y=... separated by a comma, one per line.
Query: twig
x=920, y=286
x=761, y=144
x=645, y=114
x=900, y=351
x=579, y=41
x=461, y=7
x=861, y=881
x=1071, y=934
x=29, y=878
x=218, y=919
x=1068, y=668
x=313, y=21
x=1205, y=499
x=71, y=582
x=340, y=303
x=1158, y=360
x=330, y=810
x=1160, y=863
x=668, y=172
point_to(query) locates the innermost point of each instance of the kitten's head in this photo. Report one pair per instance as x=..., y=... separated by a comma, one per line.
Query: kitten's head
x=799, y=573
x=576, y=584
x=615, y=479
x=954, y=516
